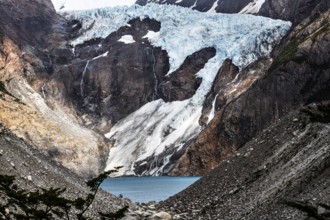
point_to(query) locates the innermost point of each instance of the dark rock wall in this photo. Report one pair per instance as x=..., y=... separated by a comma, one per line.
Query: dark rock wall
x=293, y=10
x=117, y=84
x=27, y=17
x=183, y=83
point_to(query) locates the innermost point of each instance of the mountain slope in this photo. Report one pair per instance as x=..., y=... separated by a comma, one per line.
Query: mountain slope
x=33, y=170
x=26, y=45
x=298, y=75
x=105, y=71
x=244, y=42
x=288, y=161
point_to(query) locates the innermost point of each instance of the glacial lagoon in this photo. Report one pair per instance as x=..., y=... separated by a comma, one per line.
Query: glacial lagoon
x=146, y=189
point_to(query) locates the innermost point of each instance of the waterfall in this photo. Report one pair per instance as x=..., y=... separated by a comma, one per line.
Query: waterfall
x=82, y=79
x=84, y=72
x=212, y=112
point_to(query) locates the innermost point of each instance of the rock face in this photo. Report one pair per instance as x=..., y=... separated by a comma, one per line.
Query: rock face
x=30, y=20
x=295, y=11
x=109, y=79
x=183, y=83
x=289, y=161
x=298, y=76
x=25, y=62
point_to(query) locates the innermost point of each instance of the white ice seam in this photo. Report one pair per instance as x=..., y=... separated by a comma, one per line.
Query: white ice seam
x=127, y=39
x=253, y=7
x=214, y=6
x=212, y=112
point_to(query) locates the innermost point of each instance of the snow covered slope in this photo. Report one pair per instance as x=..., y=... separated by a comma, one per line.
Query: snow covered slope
x=67, y=5
x=158, y=126
x=253, y=7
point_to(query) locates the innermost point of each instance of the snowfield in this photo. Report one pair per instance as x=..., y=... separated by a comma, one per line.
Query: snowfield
x=158, y=125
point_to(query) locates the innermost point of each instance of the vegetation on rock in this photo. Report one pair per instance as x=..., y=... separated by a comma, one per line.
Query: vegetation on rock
x=50, y=203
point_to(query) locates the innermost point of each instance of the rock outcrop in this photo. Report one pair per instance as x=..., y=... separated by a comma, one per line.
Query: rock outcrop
x=183, y=83
x=294, y=11
x=107, y=79
x=288, y=161
x=33, y=171
x=25, y=62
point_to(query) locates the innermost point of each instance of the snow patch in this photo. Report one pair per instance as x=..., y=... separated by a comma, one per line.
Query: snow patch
x=127, y=39
x=152, y=36
x=150, y=130
x=252, y=7
x=194, y=5
x=214, y=6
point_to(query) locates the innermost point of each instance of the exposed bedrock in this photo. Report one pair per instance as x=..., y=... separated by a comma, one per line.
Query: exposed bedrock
x=293, y=10
x=183, y=83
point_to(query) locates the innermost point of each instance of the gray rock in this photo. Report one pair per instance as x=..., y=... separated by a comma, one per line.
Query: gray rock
x=161, y=216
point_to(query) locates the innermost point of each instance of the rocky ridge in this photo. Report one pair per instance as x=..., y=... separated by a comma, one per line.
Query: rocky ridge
x=33, y=170
x=55, y=130
x=288, y=161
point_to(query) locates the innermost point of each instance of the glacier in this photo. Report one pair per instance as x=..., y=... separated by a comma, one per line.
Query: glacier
x=158, y=125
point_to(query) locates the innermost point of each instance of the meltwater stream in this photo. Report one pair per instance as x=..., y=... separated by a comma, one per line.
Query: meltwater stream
x=146, y=189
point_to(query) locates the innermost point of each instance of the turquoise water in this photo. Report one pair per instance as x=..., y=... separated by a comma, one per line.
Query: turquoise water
x=146, y=189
